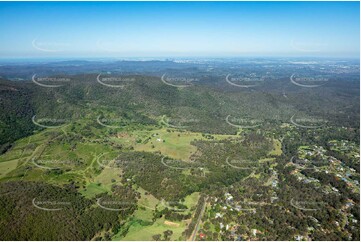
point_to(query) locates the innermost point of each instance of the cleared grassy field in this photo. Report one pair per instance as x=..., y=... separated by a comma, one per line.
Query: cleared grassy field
x=107, y=175
x=7, y=166
x=147, y=201
x=20, y=152
x=277, y=148
x=191, y=200
x=92, y=189
x=140, y=232
x=102, y=182
x=174, y=144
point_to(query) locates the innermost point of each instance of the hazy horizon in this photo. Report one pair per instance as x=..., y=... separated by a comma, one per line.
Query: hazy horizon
x=175, y=29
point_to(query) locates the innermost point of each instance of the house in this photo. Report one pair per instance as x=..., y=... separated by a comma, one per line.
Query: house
x=298, y=237
x=238, y=208
x=274, y=199
x=349, y=204
x=334, y=189
x=228, y=196
x=202, y=236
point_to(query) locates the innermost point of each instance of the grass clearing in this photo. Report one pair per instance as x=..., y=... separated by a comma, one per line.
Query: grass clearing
x=93, y=189
x=170, y=142
x=7, y=166
x=277, y=148
x=191, y=200
x=147, y=200
x=145, y=233
x=175, y=144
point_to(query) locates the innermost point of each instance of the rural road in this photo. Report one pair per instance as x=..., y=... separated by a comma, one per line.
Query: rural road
x=192, y=238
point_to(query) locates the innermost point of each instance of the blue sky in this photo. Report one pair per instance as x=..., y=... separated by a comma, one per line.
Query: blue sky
x=144, y=29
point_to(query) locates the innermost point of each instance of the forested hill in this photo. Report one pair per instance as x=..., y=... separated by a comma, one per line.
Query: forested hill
x=147, y=97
